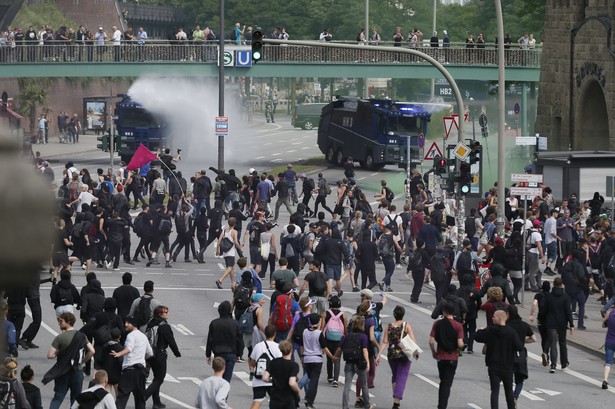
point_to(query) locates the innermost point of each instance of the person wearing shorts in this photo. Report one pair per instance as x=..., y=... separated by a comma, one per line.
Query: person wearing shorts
x=609, y=346
x=261, y=388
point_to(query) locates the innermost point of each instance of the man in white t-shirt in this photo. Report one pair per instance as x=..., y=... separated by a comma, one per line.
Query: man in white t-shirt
x=551, y=239
x=534, y=255
x=261, y=388
x=85, y=197
x=116, y=39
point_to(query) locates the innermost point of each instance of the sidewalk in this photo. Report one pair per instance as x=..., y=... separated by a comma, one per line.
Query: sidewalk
x=592, y=339
x=54, y=151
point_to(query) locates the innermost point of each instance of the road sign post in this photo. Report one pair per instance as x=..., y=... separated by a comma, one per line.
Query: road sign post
x=433, y=151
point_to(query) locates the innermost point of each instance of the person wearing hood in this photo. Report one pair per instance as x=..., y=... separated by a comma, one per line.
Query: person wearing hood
x=99, y=329
x=164, y=339
x=502, y=344
x=558, y=320
x=576, y=284
x=221, y=331
x=333, y=252
x=64, y=294
x=459, y=305
x=526, y=335
x=92, y=299
x=498, y=279
x=233, y=184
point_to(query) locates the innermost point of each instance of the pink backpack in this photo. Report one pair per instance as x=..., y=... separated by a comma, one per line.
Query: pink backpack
x=334, y=330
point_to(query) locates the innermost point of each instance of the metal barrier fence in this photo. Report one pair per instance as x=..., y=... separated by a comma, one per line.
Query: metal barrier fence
x=457, y=54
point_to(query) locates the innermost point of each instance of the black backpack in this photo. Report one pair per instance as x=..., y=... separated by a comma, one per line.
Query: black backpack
x=102, y=334
x=470, y=226
x=65, y=295
x=464, y=262
x=386, y=248
x=319, y=285
x=389, y=194
x=143, y=312
x=438, y=266
x=393, y=221
x=302, y=324
x=180, y=223
x=352, y=350
x=139, y=224
x=242, y=296
x=165, y=227
x=89, y=399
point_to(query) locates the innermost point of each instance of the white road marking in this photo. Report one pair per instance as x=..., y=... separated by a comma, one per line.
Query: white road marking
x=182, y=326
x=260, y=157
x=216, y=304
x=170, y=378
x=244, y=377
x=361, y=178
x=45, y=326
x=474, y=406
x=276, y=153
x=429, y=381
x=277, y=160
x=342, y=381
x=178, y=329
x=291, y=151
x=196, y=381
x=547, y=391
x=221, y=266
x=175, y=401
x=297, y=143
x=180, y=274
x=154, y=273
x=374, y=174
x=530, y=396
x=268, y=143
x=306, y=147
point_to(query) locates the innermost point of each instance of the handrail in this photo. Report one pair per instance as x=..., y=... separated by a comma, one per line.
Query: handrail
x=206, y=52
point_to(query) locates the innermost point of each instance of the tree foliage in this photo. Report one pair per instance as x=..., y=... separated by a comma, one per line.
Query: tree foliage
x=305, y=19
x=40, y=14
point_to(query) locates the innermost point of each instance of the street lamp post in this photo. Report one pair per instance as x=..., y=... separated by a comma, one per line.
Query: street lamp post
x=501, y=118
x=221, y=86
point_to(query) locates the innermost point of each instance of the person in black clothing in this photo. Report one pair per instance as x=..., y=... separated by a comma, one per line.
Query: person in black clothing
x=526, y=335
x=115, y=227
x=112, y=365
x=33, y=297
x=595, y=204
x=418, y=270
x=145, y=234
x=164, y=338
x=233, y=184
x=16, y=300
x=201, y=190
x=184, y=232
x=33, y=393
x=92, y=301
x=455, y=301
x=240, y=217
x=307, y=187
x=367, y=254
x=201, y=225
x=215, y=225
x=219, y=339
x=282, y=190
x=64, y=294
x=160, y=237
x=502, y=345
x=540, y=300
x=576, y=284
x=124, y=296
x=471, y=296
x=99, y=327
x=558, y=319
x=498, y=279
x=177, y=185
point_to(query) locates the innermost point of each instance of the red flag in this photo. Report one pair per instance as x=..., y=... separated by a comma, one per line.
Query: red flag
x=141, y=157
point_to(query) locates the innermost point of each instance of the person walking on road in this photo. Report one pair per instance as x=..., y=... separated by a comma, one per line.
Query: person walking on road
x=447, y=333
x=214, y=391
x=398, y=361
x=609, y=346
x=558, y=320
x=136, y=350
x=502, y=346
x=162, y=337
x=224, y=339
x=526, y=336
x=540, y=302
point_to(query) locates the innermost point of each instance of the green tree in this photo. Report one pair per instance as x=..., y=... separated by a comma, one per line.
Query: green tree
x=32, y=97
x=40, y=14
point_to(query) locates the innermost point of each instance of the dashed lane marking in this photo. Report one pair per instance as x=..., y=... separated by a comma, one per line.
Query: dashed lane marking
x=429, y=381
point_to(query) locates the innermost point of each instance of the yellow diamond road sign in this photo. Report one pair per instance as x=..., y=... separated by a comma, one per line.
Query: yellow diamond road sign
x=461, y=151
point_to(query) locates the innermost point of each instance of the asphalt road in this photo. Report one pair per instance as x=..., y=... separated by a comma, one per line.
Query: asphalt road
x=189, y=291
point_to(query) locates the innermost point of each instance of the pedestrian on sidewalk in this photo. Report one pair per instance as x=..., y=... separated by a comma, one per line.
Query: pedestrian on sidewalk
x=609, y=346
x=558, y=320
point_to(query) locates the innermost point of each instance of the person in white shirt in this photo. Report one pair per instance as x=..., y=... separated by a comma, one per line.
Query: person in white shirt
x=261, y=388
x=214, y=390
x=96, y=393
x=136, y=350
x=84, y=197
x=117, y=40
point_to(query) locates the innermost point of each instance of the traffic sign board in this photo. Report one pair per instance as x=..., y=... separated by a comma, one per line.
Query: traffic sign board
x=525, y=177
x=421, y=140
x=449, y=121
x=461, y=151
x=433, y=151
x=222, y=125
x=525, y=191
x=525, y=140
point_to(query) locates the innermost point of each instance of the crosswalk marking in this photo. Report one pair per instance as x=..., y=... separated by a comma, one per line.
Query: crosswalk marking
x=429, y=381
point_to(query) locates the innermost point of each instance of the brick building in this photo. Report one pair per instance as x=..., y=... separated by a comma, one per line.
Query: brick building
x=576, y=101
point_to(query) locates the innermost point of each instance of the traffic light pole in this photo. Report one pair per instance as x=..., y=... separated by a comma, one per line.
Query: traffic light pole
x=221, y=86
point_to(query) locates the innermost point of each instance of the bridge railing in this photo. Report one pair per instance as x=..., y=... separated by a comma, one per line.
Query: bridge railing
x=164, y=51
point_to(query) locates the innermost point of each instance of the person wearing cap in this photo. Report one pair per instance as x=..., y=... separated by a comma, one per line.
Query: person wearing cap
x=387, y=246
x=136, y=350
x=164, y=339
x=268, y=346
x=314, y=345
x=224, y=339
x=535, y=255
x=64, y=374
x=307, y=306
